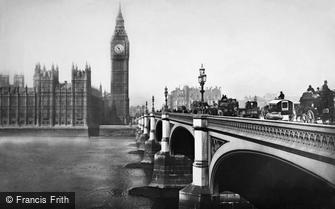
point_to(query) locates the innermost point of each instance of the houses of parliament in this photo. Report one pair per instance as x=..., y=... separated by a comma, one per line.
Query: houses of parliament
x=50, y=103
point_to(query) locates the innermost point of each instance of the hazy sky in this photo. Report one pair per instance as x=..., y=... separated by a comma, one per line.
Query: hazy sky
x=248, y=47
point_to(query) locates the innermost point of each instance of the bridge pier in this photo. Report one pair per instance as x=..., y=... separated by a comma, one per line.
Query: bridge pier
x=151, y=146
x=169, y=171
x=139, y=129
x=197, y=194
x=145, y=134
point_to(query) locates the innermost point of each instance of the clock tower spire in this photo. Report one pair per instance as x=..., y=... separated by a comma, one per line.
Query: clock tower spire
x=120, y=73
x=119, y=26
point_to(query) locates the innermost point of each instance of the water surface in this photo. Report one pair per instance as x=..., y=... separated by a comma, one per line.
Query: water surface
x=93, y=168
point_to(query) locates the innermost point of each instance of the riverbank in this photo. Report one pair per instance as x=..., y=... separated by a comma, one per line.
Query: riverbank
x=49, y=131
x=103, y=130
x=117, y=130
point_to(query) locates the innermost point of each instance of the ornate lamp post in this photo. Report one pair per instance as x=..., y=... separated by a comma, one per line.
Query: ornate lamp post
x=166, y=95
x=202, y=80
x=153, y=103
x=142, y=109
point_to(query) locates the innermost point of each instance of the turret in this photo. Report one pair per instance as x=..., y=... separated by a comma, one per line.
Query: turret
x=77, y=74
x=100, y=89
x=37, y=75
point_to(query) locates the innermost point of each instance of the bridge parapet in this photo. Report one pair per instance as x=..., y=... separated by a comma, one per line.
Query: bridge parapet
x=317, y=139
x=158, y=115
x=312, y=138
x=186, y=119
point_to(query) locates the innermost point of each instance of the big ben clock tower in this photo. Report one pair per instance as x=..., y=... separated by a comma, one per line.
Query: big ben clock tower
x=120, y=73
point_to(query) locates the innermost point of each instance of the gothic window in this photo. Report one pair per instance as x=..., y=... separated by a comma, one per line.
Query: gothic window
x=79, y=113
x=30, y=111
x=31, y=101
x=69, y=100
x=4, y=101
x=3, y=111
x=22, y=112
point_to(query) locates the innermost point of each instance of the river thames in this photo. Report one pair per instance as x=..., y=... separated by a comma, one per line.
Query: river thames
x=93, y=168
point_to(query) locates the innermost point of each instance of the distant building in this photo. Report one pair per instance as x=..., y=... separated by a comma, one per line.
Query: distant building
x=136, y=111
x=4, y=80
x=50, y=103
x=18, y=81
x=186, y=96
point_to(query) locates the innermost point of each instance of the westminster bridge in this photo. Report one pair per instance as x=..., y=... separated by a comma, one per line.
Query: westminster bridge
x=273, y=164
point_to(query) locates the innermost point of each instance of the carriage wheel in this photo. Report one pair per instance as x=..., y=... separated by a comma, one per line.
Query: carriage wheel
x=298, y=118
x=304, y=118
x=292, y=117
x=325, y=116
x=311, y=117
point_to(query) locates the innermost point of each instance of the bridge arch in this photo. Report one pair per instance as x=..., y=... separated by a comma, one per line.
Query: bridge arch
x=182, y=141
x=159, y=130
x=270, y=178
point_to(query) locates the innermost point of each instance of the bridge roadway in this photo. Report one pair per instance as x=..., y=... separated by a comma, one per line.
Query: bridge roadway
x=273, y=164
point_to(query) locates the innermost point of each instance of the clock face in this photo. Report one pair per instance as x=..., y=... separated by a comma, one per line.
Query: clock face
x=118, y=48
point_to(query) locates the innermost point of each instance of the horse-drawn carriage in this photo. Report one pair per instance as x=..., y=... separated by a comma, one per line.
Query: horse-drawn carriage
x=181, y=109
x=228, y=106
x=279, y=109
x=203, y=107
x=225, y=106
x=316, y=106
x=251, y=110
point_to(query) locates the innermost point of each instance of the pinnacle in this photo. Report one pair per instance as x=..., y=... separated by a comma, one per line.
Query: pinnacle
x=120, y=11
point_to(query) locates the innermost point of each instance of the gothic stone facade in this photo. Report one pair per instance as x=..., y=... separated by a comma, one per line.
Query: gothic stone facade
x=50, y=103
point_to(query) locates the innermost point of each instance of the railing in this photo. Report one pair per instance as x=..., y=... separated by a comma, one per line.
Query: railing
x=158, y=114
x=313, y=138
x=178, y=117
x=301, y=136
x=182, y=118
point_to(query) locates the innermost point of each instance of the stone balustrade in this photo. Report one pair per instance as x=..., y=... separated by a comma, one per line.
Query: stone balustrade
x=316, y=138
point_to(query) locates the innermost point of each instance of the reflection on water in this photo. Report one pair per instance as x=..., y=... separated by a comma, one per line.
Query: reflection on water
x=93, y=168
